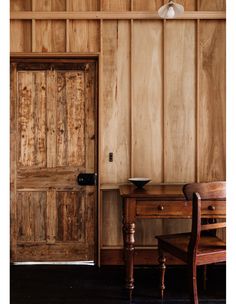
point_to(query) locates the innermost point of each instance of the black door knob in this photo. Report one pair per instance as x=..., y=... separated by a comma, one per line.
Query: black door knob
x=87, y=179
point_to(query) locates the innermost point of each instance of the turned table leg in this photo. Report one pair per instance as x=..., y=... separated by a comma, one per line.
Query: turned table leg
x=129, y=231
x=162, y=265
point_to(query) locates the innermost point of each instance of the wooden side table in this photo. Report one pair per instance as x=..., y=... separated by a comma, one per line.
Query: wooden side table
x=154, y=201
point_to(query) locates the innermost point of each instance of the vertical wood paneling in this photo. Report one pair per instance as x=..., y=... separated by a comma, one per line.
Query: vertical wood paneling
x=31, y=117
x=212, y=5
x=84, y=36
x=20, y=36
x=116, y=5
x=20, y=5
x=50, y=36
x=147, y=99
x=212, y=101
x=112, y=219
x=115, y=102
x=147, y=5
x=189, y=5
x=180, y=95
x=146, y=231
x=83, y=5
x=50, y=5
x=114, y=41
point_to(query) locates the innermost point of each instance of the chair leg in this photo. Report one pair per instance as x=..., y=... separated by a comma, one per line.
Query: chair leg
x=162, y=262
x=205, y=277
x=193, y=283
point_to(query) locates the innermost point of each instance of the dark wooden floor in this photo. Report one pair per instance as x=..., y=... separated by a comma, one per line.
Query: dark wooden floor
x=86, y=285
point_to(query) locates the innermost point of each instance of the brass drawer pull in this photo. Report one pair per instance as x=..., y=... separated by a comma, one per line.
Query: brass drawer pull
x=212, y=208
x=161, y=207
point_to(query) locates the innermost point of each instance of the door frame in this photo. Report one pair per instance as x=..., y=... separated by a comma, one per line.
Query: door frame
x=74, y=58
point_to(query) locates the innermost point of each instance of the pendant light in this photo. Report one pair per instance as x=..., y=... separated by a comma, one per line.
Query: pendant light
x=170, y=10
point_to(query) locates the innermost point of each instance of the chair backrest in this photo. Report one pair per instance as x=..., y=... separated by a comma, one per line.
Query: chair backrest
x=198, y=192
x=209, y=190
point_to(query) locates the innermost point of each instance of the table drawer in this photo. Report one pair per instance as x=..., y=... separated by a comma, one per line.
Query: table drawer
x=164, y=208
x=179, y=208
x=213, y=209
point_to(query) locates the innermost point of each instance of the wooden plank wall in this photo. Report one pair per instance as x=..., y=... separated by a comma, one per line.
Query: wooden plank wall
x=162, y=105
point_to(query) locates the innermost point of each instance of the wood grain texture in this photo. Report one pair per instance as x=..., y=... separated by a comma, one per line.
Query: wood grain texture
x=147, y=100
x=57, y=252
x=70, y=119
x=51, y=217
x=83, y=5
x=146, y=231
x=32, y=119
x=84, y=36
x=13, y=157
x=20, y=5
x=212, y=5
x=90, y=110
x=179, y=113
x=50, y=36
x=115, y=5
x=20, y=36
x=115, y=103
x=112, y=219
x=212, y=116
x=50, y=210
x=70, y=223
x=50, y=5
x=148, y=5
x=31, y=211
x=189, y=5
x=51, y=119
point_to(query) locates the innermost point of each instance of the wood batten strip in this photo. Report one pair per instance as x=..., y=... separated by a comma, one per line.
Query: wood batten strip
x=33, y=38
x=63, y=55
x=197, y=99
x=100, y=95
x=163, y=100
x=113, y=15
x=67, y=29
x=131, y=97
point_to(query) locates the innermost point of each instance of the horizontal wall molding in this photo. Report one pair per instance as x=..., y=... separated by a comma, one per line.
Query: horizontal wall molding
x=97, y=15
x=53, y=55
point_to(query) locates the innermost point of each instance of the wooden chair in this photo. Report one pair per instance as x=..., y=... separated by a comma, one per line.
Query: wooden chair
x=208, y=200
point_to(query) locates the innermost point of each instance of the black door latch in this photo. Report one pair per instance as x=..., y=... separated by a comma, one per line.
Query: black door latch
x=87, y=179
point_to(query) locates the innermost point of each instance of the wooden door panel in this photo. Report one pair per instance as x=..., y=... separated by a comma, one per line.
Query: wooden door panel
x=31, y=119
x=70, y=219
x=31, y=214
x=70, y=119
x=53, y=119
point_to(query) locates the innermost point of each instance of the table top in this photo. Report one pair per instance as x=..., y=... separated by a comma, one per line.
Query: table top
x=152, y=191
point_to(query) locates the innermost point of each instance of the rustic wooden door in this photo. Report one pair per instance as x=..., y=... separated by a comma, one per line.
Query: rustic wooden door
x=53, y=139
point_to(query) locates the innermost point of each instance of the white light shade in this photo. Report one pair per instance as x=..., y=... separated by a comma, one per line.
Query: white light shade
x=170, y=10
